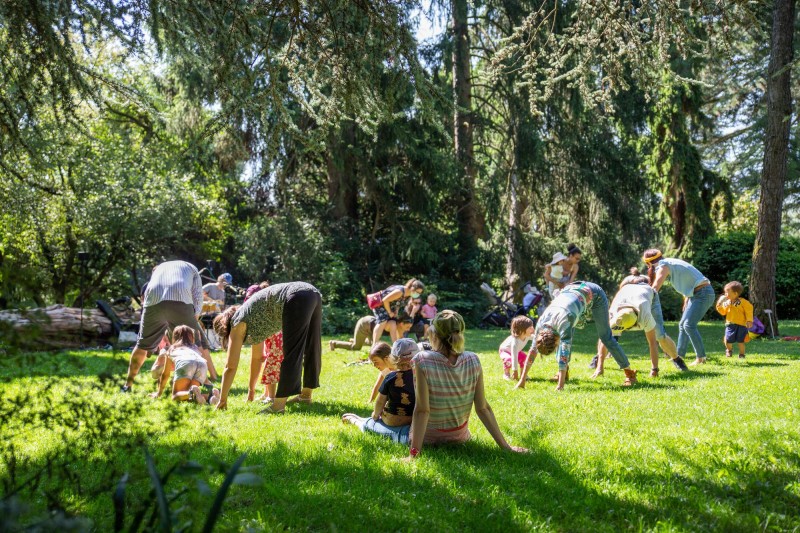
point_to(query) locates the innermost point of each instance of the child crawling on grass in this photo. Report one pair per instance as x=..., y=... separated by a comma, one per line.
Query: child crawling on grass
x=190, y=370
x=512, y=349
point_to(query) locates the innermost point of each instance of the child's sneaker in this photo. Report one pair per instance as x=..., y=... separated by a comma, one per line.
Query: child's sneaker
x=728, y=353
x=593, y=362
x=741, y=356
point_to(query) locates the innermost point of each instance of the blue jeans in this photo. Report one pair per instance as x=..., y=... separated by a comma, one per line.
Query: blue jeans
x=398, y=434
x=600, y=316
x=696, y=308
x=658, y=316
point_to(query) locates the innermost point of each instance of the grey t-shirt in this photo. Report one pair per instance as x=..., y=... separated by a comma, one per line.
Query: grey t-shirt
x=263, y=312
x=214, y=292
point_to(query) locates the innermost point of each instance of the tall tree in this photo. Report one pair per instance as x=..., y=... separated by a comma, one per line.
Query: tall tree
x=469, y=219
x=776, y=146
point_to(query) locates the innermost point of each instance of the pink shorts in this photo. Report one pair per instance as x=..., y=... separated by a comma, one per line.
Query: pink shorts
x=506, y=356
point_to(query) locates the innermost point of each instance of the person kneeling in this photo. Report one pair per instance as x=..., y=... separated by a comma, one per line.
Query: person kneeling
x=190, y=370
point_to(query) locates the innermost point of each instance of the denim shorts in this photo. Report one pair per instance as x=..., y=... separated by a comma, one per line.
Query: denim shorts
x=735, y=333
x=191, y=369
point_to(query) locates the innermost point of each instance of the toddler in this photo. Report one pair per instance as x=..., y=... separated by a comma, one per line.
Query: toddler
x=190, y=370
x=271, y=371
x=738, y=314
x=379, y=357
x=429, y=311
x=512, y=350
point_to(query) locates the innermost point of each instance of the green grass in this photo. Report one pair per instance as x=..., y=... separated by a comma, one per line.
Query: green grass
x=715, y=449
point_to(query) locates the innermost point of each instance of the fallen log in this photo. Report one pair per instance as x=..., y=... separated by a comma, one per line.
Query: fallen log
x=56, y=326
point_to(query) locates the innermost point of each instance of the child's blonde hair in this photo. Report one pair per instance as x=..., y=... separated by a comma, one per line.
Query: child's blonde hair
x=735, y=286
x=520, y=324
x=431, y=295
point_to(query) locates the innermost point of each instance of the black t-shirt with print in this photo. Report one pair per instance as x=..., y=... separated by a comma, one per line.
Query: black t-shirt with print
x=398, y=387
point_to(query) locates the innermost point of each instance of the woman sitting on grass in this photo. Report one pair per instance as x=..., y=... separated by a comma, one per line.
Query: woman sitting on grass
x=190, y=369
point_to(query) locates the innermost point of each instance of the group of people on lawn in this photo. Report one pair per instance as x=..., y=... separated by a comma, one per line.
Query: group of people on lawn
x=425, y=391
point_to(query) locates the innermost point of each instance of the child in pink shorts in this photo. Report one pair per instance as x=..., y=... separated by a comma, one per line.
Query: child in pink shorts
x=512, y=350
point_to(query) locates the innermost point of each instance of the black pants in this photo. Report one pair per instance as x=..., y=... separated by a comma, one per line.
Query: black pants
x=302, y=343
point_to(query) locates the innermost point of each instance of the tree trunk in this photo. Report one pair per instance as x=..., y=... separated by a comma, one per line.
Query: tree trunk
x=341, y=167
x=470, y=225
x=776, y=149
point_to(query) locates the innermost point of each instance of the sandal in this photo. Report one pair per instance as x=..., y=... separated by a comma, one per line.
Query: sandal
x=299, y=399
x=269, y=410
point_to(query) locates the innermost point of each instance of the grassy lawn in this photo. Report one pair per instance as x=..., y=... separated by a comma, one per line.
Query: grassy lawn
x=714, y=449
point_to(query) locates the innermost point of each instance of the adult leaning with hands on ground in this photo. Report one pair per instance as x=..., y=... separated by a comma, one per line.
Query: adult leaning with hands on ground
x=448, y=382
x=698, y=297
x=173, y=298
x=296, y=309
x=636, y=304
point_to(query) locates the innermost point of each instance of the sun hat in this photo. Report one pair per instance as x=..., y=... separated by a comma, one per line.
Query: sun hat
x=624, y=319
x=405, y=348
x=557, y=258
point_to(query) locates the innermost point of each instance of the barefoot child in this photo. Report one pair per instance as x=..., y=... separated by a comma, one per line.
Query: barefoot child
x=512, y=350
x=738, y=314
x=190, y=370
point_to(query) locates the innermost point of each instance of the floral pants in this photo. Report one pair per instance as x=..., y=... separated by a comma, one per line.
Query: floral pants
x=273, y=355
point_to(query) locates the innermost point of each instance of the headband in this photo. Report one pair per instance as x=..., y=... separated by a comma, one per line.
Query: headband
x=649, y=260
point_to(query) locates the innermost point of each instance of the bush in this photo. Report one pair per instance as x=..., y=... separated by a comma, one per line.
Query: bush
x=728, y=257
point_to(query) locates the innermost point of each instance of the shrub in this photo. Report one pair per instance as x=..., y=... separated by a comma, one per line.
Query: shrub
x=728, y=257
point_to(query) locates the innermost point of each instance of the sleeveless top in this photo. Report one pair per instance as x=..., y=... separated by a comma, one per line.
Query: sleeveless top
x=683, y=276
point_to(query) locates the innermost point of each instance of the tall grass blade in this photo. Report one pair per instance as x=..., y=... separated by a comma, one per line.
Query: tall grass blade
x=216, y=508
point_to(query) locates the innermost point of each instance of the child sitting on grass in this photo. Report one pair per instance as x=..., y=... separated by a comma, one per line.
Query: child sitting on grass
x=190, y=370
x=379, y=357
x=395, y=402
x=738, y=314
x=512, y=349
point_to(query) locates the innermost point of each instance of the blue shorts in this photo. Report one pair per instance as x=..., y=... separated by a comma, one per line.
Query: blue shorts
x=735, y=333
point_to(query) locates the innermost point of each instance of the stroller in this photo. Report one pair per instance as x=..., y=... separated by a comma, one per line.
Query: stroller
x=503, y=311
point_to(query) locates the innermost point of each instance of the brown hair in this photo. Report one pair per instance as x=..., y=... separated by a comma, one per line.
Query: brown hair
x=520, y=324
x=735, y=286
x=651, y=257
x=414, y=283
x=182, y=336
x=380, y=349
x=546, y=340
x=635, y=277
x=222, y=324
x=447, y=333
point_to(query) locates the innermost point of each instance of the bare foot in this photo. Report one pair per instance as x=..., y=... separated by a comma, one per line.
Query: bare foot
x=597, y=374
x=350, y=418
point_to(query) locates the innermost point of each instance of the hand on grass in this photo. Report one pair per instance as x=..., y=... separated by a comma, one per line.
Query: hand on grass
x=515, y=376
x=251, y=395
x=222, y=405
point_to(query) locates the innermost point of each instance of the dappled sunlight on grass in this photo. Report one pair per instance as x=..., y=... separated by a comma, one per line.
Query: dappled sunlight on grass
x=712, y=449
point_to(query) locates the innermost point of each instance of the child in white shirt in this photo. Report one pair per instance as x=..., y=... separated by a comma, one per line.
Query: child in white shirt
x=512, y=349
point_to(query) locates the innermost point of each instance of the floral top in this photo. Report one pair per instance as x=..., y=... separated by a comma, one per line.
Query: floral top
x=263, y=312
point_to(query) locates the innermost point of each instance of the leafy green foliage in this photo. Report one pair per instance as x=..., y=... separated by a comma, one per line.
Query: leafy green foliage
x=728, y=257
